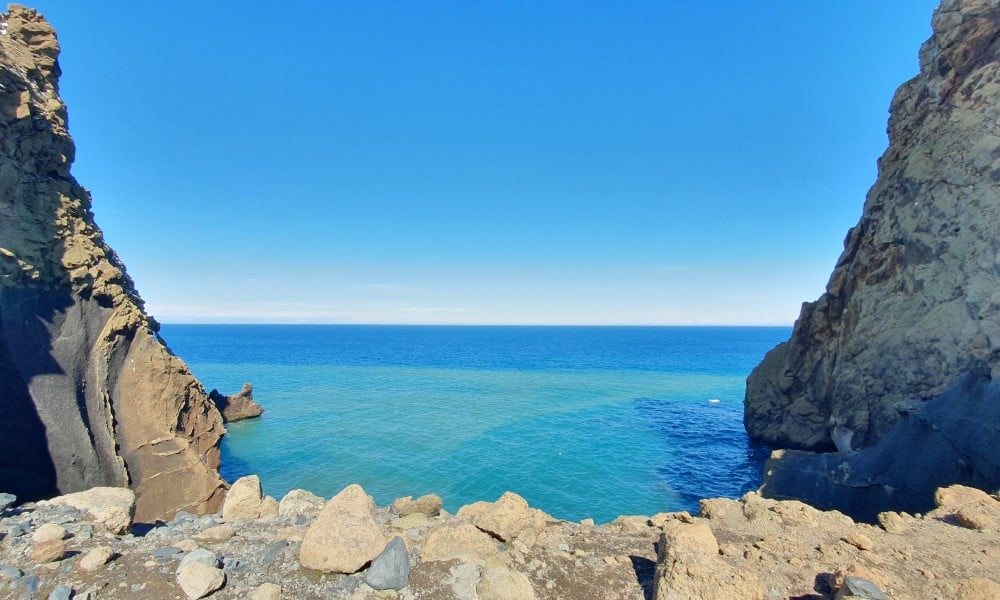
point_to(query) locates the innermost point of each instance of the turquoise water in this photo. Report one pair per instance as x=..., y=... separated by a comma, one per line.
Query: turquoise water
x=581, y=421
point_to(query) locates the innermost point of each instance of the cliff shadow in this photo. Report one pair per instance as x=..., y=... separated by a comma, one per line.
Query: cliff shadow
x=27, y=468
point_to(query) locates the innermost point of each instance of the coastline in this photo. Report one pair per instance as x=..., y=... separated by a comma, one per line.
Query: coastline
x=747, y=548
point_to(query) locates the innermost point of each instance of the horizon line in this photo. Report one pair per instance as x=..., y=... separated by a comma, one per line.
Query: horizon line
x=395, y=324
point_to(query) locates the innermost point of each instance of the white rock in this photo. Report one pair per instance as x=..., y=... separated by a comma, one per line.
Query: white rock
x=300, y=502
x=243, y=501
x=48, y=531
x=96, y=558
x=111, y=506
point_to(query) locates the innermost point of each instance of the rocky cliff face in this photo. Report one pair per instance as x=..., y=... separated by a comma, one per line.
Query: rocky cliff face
x=89, y=394
x=915, y=298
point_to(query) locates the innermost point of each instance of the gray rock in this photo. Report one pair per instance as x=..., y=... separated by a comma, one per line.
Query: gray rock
x=273, y=552
x=6, y=501
x=182, y=517
x=205, y=557
x=61, y=592
x=391, y=569
x=167, y=552
x=857, y=587
x=913, y=299
x=8, y=572
x=29, y=583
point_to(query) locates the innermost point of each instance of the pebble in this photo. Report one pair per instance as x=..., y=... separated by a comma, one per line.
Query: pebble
x=166, y=552
x=61, y=592
x=8, y=572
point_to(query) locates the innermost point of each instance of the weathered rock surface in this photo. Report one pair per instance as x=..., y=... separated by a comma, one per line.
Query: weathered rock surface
x=76, y=412
x=300, y=502
x=199, y=580
x=244, y=499
x=345, y=536
x=787, y=548
x=109, y=506
x=428, y=505
x=913, y=300
x=237, y=407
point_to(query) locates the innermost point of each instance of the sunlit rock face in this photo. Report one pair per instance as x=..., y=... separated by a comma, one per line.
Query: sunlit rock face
x=89, y=394
x=914, y=300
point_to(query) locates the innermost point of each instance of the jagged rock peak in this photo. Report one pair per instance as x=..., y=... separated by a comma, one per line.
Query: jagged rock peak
x=90, y=395
x=915, y=296
x=896, y=365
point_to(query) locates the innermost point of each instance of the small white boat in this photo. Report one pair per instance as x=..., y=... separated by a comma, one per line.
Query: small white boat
x=713, y=400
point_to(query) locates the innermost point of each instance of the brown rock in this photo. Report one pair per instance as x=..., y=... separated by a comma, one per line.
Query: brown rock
x=96, y=558
x=300, y=502
x=859, y=541
x=199, y=580
x=345, y=536
x=462, y=542
x=219, y=533
x=977, y=588
x=268, y=507
x=49, y=531
x=510, y=518
x=266, y=591
x=682, y=575
x=243, y=501
x=119, y=409
x=690, y=537
x=473, y=510
x=429, y=505
x=237, y=407
x=49, y=551
x=499, y=583
x=112, y=507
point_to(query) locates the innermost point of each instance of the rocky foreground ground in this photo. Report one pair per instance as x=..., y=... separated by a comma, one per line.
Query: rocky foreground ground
x=85, y=546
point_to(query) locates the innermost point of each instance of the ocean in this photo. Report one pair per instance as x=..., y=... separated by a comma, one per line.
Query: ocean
x=580, y=421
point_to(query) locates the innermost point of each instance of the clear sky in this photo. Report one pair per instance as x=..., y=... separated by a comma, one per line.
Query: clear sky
x=630, y=162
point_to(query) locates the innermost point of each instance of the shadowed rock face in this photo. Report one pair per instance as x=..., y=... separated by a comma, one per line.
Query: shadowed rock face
x=915, y=297
x=89, y=394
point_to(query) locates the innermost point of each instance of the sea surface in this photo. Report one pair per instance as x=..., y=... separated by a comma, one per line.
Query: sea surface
x=581, y=421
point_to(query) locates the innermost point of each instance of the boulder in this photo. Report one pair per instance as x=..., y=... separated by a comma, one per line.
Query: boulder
x=199, y=580
x=462, y=542
x=300, y=502
x=499, y=583
x=510, y=518
x=237, y=407
x=201, y=556
x=219, y=533
x=112, y=507
x=689, y=566
x=345, y=536
x=391, y=569
x=428, y=505
x=243, y=501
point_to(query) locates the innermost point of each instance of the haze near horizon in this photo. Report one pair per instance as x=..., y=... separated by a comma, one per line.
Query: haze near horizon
x=479, y=163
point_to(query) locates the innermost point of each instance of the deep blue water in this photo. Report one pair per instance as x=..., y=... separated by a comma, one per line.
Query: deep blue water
x=581, y=421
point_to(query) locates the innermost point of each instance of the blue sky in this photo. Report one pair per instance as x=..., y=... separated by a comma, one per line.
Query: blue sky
x=482, y=162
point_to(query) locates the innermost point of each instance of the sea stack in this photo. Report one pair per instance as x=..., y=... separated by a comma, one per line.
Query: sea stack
x=894, y=366
x=89, y=394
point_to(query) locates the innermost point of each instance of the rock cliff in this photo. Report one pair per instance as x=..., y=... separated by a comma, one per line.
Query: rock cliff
x=914, y=300
x=89, y=394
